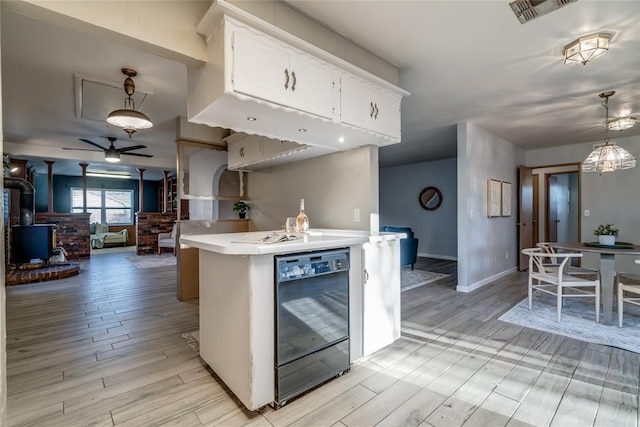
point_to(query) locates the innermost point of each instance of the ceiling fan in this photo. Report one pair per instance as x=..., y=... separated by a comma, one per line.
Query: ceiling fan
x=112, y=154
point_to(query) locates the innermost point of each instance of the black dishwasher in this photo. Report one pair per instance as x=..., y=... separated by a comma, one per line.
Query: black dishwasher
x=311, y=320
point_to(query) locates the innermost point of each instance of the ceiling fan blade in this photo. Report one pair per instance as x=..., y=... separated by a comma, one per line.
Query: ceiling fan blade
x=135, y=147
x=137, y=154
x=81, y=149
x=93, y=143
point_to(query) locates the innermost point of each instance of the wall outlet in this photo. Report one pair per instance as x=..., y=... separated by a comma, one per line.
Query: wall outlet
x=586, y=212
x=356, y=215
x=506, y=255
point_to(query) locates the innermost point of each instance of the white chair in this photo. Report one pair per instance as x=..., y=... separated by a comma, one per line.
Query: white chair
x=554, y=279
x=553, y=262
x=634, y=290
x=167, y=240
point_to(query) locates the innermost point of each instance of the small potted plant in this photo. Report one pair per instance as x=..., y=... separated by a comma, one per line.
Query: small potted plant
x=241, y=207
x=607, y=234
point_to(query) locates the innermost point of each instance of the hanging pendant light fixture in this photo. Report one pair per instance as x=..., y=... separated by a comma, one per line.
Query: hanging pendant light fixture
x=608, y=157
x=128, y=118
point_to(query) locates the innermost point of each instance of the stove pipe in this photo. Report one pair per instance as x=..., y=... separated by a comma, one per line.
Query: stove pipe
x=27, y=196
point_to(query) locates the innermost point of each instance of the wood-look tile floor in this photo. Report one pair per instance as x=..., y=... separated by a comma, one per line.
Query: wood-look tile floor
x=106, y=348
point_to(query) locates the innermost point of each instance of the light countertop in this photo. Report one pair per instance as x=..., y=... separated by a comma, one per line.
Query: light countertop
x=251, y=243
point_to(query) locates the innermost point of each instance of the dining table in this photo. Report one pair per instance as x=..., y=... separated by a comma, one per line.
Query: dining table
x=607, y=267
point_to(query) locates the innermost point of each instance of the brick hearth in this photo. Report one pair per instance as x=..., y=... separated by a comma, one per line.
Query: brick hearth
x=32, y=275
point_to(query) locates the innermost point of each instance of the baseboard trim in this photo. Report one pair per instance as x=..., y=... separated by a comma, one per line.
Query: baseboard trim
x=481, y=283
x=436, y=256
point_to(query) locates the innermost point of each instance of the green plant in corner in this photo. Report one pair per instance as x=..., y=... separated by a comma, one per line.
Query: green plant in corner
x=606, y=230
x=241, y=207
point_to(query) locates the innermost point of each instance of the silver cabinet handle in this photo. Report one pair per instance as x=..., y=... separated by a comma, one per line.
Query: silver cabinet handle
x=372, y=110
x=286, y=83
x=293, y=86
x=376, y=115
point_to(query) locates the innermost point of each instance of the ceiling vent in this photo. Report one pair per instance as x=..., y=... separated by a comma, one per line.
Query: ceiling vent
x=95, y=99
x=527, y=10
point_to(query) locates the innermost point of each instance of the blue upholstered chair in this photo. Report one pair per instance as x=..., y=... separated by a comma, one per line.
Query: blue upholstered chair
x=408, y=245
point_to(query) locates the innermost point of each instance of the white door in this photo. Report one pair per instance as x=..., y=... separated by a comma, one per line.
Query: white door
x=387, y=115
x=311, y=86
x=356, y=103
x=381, y=296
x=260, y=68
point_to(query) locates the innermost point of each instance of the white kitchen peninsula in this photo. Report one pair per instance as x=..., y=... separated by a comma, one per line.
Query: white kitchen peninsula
x=237, y=301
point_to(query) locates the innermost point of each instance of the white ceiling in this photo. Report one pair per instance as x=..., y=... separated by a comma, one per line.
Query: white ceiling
x=461, y=60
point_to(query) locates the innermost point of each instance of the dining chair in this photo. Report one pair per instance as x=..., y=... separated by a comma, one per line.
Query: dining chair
x=632, y=291
x=554, y=279
x=571, y=269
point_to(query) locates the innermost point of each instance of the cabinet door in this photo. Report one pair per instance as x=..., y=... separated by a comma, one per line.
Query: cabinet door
x=312, y=86
x=356, y=103
x=381, y=297
x=260, y=68
x=271, y=148
x=387, y=114
x=243, y=151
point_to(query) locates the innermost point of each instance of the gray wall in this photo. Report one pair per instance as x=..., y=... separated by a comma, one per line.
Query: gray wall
x=332, y=187
x=612, y=197
x=487, y=247
x=399, y=190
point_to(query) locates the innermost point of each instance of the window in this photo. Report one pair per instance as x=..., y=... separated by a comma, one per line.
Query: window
x=105, y=206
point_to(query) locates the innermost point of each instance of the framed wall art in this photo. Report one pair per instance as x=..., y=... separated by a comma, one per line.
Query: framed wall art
x=506, y=199
x=494, y=197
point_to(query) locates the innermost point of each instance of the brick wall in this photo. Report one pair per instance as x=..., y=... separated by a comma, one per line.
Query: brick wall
x=72, y=229
x=148, y=225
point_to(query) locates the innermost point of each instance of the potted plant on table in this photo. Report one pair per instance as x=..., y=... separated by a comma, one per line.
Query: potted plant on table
x=241, y=207
x=607, y=234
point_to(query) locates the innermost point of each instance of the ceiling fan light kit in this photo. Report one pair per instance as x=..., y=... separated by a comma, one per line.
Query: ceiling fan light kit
x=608, y=157
x=128, y=117
x=586, y=48
x=111, y=155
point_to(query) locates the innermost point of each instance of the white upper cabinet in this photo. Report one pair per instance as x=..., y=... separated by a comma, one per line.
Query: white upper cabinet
x=259, y=79
x=251, y=152
x=368, y=107
x=266, y=69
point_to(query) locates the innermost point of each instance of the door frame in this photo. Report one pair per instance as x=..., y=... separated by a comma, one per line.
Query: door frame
x=547, y=170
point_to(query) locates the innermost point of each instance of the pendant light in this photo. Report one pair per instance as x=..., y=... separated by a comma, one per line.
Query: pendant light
x=128, y=118
x=608, y=157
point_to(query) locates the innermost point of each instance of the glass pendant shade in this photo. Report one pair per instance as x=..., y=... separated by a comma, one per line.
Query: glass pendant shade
x=607, y=158
x=586, y=48
x=622, y=123
x=129, y=118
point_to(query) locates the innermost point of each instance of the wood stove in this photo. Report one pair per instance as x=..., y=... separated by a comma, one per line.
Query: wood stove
x=32, y=242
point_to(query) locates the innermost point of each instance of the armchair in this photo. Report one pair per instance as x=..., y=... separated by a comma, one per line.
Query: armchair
x=408, y=245
x=167, y=240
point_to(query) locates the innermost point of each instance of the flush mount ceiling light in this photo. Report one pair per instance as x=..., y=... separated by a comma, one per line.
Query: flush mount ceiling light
x=621, y=123
x=586, y=48
x=128, y=118
x=608, y=157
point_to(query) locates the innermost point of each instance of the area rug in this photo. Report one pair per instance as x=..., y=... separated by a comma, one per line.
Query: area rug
x=113, y=250
x=578, y=321
x=151, y=261
x=410, y=279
